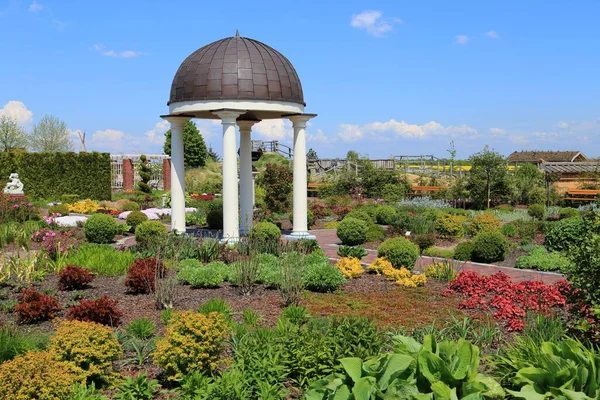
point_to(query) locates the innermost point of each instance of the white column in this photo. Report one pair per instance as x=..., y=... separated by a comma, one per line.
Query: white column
x=230, y=181
x=177, y=174
x=246, y=181
x=300, y=206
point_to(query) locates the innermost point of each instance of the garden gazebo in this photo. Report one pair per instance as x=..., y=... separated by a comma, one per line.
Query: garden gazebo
x=240, y=81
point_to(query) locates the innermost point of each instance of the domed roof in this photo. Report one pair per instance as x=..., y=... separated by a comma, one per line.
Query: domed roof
x=236, y=68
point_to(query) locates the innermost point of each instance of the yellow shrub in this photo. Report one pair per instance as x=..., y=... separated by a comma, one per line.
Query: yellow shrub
x=38, y=375
x=485, y=222
x=331, y=225
x=383, y=267
x=411, y=280
x=87, y=345
x=406, y=282
x=419, y=280
x=193, y=342
x=84, y=207
x=350, y=267
x=404, y=273
x=440, y=270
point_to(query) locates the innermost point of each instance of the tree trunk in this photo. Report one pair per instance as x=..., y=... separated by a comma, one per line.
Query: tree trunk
x=489, y=189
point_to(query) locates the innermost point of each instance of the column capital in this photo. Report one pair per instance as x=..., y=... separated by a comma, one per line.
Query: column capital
x=228, y=116
x=177, y=119
x=299, y=120
x=245, y=125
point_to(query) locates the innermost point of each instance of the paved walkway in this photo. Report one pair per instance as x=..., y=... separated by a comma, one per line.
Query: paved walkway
x=329, y=241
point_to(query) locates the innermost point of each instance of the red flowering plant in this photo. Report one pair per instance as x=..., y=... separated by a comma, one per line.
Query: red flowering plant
x=510, y=301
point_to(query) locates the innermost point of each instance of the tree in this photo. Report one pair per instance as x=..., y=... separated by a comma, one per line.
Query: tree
x=487, y=178
x=312, y=155
x=194, y=149
x=528, y=181
x=145, y=175
x=452, y=152
x=213, y=155
x=50, y=135
x=12, y=136
x=277, y=182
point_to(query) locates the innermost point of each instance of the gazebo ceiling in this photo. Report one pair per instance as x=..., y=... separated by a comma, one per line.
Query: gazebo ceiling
x=236, y=72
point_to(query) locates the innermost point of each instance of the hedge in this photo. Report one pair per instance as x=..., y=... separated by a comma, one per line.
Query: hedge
x=50, y=175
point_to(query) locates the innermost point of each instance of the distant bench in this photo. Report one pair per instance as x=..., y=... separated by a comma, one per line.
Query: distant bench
x=314, y=187
x=582, y=195
x=416, y=190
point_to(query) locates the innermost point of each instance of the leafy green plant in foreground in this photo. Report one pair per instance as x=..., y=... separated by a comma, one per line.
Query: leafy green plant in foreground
x=102, y=259
x=446, y=370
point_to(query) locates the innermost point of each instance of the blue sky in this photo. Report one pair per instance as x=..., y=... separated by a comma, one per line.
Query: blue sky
x=386, y=77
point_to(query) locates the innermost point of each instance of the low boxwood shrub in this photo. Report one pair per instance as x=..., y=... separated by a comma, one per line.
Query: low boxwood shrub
x=131, y=206
x=438, y=253
x=352, y=231
x=385, y=215
x=135, y=218
x=539, y=258
x=207, y=276
x=320, y=276
x=450, y=226
x=265, y=232
x=62, y=209
x=400, y=252
x=142, y=274
x=564, y=234
x=34, y=306
x=102, y=311
x=100, y=228
x=193, y=343
x=73, y=277
x=568, y=212
x=536, y=211
x=485, y=222
x=424, y=241
x=38, y=375
x=489, y=247
x=360, y=214
x=150, y=234
x=214, y=216
x=464, y=251
x=375, y=233
x=89, y=346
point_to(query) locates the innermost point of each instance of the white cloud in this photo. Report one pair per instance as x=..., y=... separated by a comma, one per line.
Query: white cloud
x=562, y=125
x=320, y=137
x=519, y=139
x=492, y=34
x=157, y=135
x=35, y=7
x=497, y=131
x=274, y=129
x=17, y=111
x=108, y=135
x=462, y=39
x=373, y=22
x=401, y=129
x=111, y=53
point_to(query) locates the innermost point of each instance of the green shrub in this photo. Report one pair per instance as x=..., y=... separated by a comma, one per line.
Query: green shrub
x=265, y=232
x=536, y=211
x=135, y=218
x=214, y=216
x=464, y=251
x=375, y=233
x=207, y=276
x=489, y=247
x=69, y=198
x=450, y=226
x=50, y=175
x=100, y=228
x=218, y=306
x=62, y=209
x=268, y=270
x=14, y=341
x=564, y=234
x=140, y=388
x=360, y=214
x=539, y=258
x=141, y=328
x=400, y=252
x=424, y=241
x=322, y=277
x=149, y=234
x=438, y=253
x=485, y=223
x=131, y=206
x=351, y=251
x=385, y=215
x=568, y=212
x=103, y=259
x=509, y=230
x=352, y=231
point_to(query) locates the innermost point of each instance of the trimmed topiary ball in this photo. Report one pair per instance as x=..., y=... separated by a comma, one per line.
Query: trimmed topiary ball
x=385, y=215
x=135, y=218
x=265, y=232
x=400, y=252
x=352, y=231
x=360, y=214
x=464, y=251
x=150, y=233
x=489, y=247
x=101, y=228
x=485, y=222
x=568, y=212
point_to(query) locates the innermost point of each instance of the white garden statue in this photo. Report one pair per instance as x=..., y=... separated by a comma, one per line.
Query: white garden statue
x=15, y=186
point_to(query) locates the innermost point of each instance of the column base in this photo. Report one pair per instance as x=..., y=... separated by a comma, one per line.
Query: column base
x=229, y=240
x=300, y=235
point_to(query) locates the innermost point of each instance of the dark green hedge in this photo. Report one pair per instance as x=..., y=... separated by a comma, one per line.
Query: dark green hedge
x=50, y=175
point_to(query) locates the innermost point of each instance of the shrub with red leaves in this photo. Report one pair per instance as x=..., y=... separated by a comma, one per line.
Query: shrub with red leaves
x=142, y=274
x=510, y=300
x=34, y=306
x=73, y=277
x=319, y=210
x=341, y=211
x=102, y=311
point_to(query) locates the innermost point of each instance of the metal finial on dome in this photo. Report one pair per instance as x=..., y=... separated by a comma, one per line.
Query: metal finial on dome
x=237, y=33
